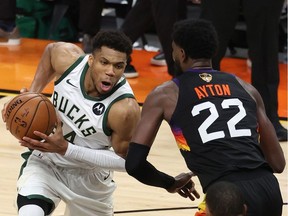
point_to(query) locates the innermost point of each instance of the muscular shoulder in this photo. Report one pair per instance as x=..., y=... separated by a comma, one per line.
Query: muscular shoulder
x=124, y=112
x=63, y=55
x=249, y=89
x=166, y=92
x=125, y=107
x=162, y=100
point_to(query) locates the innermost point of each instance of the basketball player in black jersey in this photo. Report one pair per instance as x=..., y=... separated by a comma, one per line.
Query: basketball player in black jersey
x=219, y=124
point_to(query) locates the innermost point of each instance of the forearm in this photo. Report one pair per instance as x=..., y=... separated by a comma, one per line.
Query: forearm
x=106, y=159
x=138, y=167
x=44, y=72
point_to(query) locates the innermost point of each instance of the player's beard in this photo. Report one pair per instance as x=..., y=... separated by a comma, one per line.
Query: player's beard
x=177, y=68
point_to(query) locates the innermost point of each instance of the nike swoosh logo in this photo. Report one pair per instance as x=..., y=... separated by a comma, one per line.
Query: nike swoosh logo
x=68, y=81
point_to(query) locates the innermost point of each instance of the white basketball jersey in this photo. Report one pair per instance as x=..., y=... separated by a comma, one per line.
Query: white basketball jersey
x=84, y=117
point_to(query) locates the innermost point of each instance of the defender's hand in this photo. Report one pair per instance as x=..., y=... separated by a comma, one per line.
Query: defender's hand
x=184, y=186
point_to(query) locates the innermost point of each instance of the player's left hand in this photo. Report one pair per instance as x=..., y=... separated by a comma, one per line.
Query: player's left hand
x=184, y=186
x=52, y=143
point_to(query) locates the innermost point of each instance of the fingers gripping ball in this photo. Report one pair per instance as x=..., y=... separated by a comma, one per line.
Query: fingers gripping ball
x=28, y=112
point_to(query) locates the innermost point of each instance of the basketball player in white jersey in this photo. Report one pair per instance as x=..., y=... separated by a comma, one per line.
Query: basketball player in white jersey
x=97, y=115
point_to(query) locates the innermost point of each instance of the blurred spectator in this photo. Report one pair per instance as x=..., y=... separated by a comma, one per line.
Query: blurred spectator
x=262, y=20
x=9, y=33
x=163, y=14
x=90, y=17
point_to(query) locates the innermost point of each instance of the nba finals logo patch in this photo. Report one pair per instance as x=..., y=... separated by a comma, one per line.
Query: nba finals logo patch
x=98, y=108
x=206, y=77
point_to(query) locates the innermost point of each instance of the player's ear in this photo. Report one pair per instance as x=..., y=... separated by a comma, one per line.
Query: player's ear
x=183, y=56
x=90, y=60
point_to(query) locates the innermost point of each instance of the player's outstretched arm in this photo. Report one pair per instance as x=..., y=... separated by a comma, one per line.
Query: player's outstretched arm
x=138, y=167
x=56, y=143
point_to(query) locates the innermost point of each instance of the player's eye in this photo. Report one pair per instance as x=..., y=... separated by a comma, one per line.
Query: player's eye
x=103, y=62
x=119, y=66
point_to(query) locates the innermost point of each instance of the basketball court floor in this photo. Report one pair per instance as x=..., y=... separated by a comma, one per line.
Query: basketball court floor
x=17, y=67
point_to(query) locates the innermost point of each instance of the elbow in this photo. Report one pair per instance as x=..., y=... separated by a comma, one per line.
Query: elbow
x=136, y=159
x=279, y=168
x=132, y=168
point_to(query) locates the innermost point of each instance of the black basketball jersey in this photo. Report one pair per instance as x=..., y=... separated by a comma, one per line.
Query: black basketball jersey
x=215, y=125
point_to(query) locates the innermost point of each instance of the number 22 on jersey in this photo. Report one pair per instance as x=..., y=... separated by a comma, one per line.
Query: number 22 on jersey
x=231, y=124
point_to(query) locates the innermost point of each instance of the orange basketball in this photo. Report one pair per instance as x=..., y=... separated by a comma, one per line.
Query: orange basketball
x=28, y=112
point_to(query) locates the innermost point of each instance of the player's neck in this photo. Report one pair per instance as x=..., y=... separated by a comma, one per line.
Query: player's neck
x=201, y=64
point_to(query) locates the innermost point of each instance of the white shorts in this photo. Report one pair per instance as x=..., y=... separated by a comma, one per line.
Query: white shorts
x=85, y=192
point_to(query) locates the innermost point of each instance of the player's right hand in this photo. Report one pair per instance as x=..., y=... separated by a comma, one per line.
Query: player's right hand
x=54, y=143
x=184, y=186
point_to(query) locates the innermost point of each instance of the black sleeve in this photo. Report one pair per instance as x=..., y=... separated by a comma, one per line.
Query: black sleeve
x=138, y=167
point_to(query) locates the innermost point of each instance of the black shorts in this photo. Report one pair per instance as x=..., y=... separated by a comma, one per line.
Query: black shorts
x=261, y=191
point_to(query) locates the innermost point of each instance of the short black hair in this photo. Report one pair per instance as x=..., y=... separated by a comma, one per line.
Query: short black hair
x=113, y=39
x=197, y=37
x=224, y=199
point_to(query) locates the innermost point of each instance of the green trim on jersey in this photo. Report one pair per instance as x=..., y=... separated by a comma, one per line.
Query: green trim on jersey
x=106, y=130
x=37, y=196
x=25, y=156
x=69, y=69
